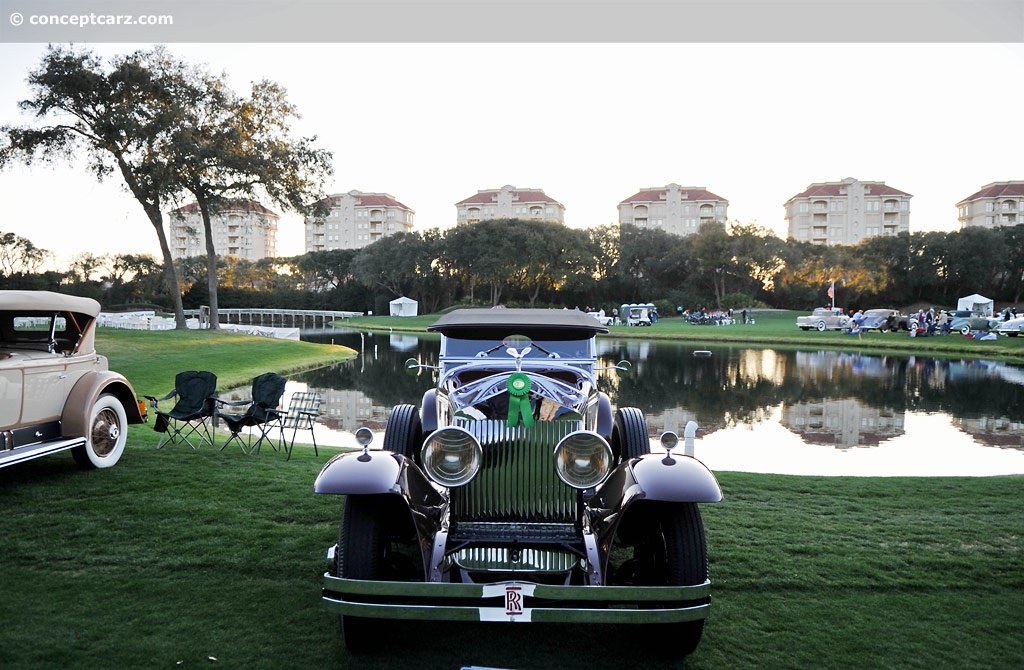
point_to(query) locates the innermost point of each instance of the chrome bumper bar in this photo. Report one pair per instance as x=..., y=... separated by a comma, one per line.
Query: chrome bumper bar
x=516, y=602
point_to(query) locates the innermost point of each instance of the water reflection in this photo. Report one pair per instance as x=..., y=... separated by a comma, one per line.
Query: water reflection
x=758, y=410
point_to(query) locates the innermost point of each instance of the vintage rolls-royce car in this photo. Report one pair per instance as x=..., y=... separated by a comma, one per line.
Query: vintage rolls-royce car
x=516, y=493
x=57, y=391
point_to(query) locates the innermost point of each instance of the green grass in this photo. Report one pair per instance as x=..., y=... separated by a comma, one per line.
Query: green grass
x=774, y=328
x=173, y=557
x=176, y=557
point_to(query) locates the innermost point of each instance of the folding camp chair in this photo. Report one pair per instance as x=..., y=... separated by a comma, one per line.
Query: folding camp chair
x=191, y=417
x=303, y=411
x=262, y=414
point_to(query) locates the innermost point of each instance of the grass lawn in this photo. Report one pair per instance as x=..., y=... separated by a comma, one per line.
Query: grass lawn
x=173, y=558
x=179, y=558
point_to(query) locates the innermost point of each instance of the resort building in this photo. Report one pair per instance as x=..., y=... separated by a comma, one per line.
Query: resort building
x=1000, y=203
x=509, y=202
x=680, y=210
x=357, y=219
x=847, y=212
x=240, y=228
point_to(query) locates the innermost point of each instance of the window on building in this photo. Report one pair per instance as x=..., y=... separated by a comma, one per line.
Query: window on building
x=837, y=205
x=872, y=205
x=804, y=207
x=990, y=206
x=904, y=205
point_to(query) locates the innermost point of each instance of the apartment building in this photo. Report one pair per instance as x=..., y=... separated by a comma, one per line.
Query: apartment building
x=1000, y=203
x=357, y=219
x=241, y=228
x=847, y=211
x=509, y=202
x=680, y=210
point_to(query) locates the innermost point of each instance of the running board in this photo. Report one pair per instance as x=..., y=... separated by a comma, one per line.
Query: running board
x=22, y=454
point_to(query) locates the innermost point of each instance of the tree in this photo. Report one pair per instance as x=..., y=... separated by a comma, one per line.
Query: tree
x=19, y=256
x=118, y=118
x=231, y=150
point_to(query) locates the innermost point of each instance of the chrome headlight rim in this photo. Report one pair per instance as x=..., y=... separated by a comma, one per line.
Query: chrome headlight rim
x=435, y=452
x=583, y=459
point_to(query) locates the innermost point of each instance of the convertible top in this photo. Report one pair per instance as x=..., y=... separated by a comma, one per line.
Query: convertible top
x=519, y=320
x=47, y=301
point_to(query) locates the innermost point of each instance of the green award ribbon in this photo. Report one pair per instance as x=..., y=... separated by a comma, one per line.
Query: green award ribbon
x=518, y=400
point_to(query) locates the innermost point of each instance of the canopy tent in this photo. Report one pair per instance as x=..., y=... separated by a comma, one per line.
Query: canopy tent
x=978, y=304
x=404, y=307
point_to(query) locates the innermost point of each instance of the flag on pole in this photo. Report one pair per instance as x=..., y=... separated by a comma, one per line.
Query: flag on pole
x=832, y=291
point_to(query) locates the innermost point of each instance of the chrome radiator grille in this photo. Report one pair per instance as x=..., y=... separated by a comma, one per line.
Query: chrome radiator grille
x=517, y=481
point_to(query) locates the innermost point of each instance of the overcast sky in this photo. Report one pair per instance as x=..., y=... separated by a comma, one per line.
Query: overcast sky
x=590, y=124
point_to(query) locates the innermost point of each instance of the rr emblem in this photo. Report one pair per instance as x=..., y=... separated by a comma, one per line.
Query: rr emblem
x=514, y=600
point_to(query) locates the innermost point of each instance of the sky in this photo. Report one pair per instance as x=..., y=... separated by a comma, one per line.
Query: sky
x=589, y=123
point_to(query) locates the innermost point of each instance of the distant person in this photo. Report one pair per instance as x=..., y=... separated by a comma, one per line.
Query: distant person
x=743, y=313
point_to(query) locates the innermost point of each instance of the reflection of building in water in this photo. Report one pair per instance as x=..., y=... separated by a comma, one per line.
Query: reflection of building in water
x=844, y=423
x=993, y=431
x=348, y=410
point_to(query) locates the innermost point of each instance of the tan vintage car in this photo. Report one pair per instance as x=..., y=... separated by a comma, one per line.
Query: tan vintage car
x=824, y=318
x=57, y=391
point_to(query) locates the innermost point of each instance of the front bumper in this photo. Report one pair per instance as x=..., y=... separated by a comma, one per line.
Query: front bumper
x=517, y=602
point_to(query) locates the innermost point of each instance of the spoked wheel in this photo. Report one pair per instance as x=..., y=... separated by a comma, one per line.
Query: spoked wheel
x=361, y=553
x=629, y=434
x=108, y=433
x=404, y=432
x=821, y=326
x=670, y=550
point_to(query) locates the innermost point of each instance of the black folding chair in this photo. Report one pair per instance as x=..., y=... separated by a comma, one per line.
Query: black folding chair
x=192, y=415
x=303, y=411
x=262, y=414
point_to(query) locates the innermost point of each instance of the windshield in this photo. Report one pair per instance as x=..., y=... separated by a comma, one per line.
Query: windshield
x=538, y=349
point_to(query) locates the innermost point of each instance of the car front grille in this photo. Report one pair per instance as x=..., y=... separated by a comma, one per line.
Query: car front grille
x=517, y=481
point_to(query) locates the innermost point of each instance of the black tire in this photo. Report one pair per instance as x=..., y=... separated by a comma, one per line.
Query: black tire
x=674, y=553
x=404, y=433
x=362, y=545
x=629, y=434
x=108, y=434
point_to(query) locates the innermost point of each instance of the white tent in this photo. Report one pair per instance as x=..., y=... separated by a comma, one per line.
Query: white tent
x=404, y=307
x=978, y=304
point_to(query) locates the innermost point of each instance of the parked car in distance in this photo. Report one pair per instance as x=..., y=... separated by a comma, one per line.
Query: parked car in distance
x=515, y=493
x=824, y=318
x=1013, y=327
x=57, y=391
x=964, y=321
x=884, y=320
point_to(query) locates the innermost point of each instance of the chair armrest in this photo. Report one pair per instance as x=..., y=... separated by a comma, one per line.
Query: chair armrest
x=154, y=401
x=230, y=403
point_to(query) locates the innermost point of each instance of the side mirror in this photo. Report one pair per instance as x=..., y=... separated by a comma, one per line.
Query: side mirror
x=412, y=367
x=625, y=368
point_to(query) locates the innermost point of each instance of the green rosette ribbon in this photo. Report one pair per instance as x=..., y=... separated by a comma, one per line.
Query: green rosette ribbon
x=519, y=400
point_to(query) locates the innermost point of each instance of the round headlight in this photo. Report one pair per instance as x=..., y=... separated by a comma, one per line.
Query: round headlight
x=583, y=459
x=451, y=456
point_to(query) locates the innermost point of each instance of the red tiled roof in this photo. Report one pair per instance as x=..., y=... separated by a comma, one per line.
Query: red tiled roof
x=237, y=205
x=365, y=200
x=377, y=200
x=658, y=195
x=832, y=189
x=526, y=196
x=999, y=189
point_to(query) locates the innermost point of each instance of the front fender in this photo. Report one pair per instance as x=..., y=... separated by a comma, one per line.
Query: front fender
x=675, y=479
x=78, y=406
x=357, y=473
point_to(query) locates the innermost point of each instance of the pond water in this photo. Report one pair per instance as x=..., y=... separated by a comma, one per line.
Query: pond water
x=758, y=410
